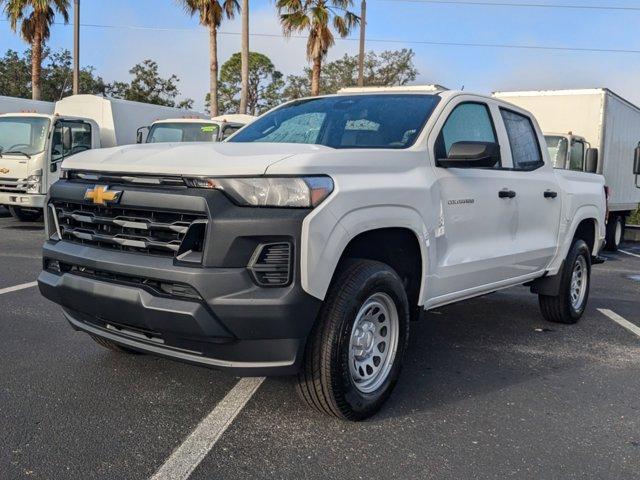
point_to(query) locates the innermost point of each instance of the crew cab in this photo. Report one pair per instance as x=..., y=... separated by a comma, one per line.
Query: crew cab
x=306, y=243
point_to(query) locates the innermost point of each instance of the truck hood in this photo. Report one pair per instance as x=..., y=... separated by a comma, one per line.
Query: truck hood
x=197, y=159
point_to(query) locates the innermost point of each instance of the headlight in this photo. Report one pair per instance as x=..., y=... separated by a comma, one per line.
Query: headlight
x=298, y=192
x=33, y=182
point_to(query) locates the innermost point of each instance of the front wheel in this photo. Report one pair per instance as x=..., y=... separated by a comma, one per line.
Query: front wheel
x=26, y=214
x=570, y=303
x=354, y=354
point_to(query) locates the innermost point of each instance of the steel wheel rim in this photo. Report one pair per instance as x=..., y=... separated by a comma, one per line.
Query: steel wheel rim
x=579, y=283
x=374, y=342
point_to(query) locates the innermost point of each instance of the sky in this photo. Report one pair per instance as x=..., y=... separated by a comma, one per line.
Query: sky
x=117, y=34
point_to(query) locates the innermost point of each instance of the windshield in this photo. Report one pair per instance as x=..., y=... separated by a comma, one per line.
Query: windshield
x=557, y=147
x=182, y=132
x=23, y=135
x=341, y=121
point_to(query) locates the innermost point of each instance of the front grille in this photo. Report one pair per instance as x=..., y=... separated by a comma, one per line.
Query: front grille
x=127, y=179
x=16, y=185
x=145, y=231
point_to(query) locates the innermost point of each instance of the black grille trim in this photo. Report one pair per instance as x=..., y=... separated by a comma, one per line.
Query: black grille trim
x=271, y=264
x=138, y=230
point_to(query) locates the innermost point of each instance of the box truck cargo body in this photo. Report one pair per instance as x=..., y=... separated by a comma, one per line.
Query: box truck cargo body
x=15, y=105
x=573, y=121
x=32, y=145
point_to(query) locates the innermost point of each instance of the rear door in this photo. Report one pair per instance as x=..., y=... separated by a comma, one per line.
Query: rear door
x=538, y=198
x=477, y=228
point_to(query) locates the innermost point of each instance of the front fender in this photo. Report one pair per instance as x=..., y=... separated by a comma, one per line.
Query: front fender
x=325, y=238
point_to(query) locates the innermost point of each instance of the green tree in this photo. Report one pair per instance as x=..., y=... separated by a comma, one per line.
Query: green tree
x=211, y=14
x=388, y=68
x=15, y=76
x=314, y=17
x=148, y=86
x=35, y=18
x=265, y=84
x=58, y=76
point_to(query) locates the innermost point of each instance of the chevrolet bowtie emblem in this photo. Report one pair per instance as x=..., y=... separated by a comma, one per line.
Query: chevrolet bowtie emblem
x=4, y=170
x=101, y=195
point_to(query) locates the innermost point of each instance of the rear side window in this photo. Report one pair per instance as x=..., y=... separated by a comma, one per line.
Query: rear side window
x=525, y=149
x=468, y=122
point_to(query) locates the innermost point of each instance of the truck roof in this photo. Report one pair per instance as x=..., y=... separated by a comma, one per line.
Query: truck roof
x=402, y=88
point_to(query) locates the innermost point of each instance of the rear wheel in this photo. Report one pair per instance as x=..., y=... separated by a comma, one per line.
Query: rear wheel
x=26, y=214
x=354, y=354
x=570, y=303
x=615, y=232
x=103, y=342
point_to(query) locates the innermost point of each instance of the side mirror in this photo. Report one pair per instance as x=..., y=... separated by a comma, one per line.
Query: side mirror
x=471, y=155
x=636, y=161
x=591, y=160
x=140, y=134
x=66, y=139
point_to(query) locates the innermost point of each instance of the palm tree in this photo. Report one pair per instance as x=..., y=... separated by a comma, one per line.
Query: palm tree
x=244, y=89
x=35, y=18
x=314, y=16
x=211, y=13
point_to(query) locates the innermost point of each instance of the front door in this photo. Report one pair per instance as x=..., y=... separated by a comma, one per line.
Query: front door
x=69, y=137
x=477, y=225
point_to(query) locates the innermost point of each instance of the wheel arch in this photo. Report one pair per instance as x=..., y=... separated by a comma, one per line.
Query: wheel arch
x=326, y=243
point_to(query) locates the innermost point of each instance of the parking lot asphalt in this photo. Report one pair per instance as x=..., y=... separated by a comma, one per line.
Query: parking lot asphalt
x=489, y=390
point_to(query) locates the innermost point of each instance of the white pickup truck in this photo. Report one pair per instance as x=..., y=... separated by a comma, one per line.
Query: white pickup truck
x=306, y=242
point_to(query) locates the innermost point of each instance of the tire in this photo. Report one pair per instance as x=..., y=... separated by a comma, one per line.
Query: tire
x=615, y=233
x=103, y=342
x=570, y=303
x=26, y=214
x=347, y=335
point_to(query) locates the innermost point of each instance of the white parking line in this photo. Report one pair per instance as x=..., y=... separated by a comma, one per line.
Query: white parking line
x=629, y=253
x=184, y=459
x=17, y=287
x=620, y=321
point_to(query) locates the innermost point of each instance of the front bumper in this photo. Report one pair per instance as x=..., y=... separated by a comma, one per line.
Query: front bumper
x=27, y=200
x=236, y=325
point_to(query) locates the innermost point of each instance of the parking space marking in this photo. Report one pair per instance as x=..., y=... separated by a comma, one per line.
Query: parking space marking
x=620, y=321
x=184, y=459
x=15, y=288
x=629, y=253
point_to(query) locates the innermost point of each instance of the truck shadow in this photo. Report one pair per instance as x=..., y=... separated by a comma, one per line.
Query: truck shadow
x=480, y=346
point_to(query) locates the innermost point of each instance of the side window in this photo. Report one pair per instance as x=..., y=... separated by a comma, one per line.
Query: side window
x=525, y=149
x=70, y=138
x=468, y=122
x=576, y=161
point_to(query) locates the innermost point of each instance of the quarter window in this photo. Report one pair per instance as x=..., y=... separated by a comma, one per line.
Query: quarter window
x=525, y=149
x=468, y=122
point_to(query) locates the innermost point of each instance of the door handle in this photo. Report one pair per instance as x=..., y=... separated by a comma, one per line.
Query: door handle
x=550, y=194
x=506, y=194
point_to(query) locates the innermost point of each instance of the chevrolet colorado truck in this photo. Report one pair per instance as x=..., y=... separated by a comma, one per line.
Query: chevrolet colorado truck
x=307, y=242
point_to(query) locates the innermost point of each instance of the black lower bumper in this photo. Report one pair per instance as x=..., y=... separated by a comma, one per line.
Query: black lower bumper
x=234, y=324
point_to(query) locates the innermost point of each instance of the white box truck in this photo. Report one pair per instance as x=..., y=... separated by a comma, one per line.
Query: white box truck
x=576, y=124
x=32, y=145
x=195, y=128
x=13, y=104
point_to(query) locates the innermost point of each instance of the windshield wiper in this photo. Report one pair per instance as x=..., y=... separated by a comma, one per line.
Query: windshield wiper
x=18, y=152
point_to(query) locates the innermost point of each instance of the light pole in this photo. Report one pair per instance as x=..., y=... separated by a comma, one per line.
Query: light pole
x=76, y=47
x=363, y=25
